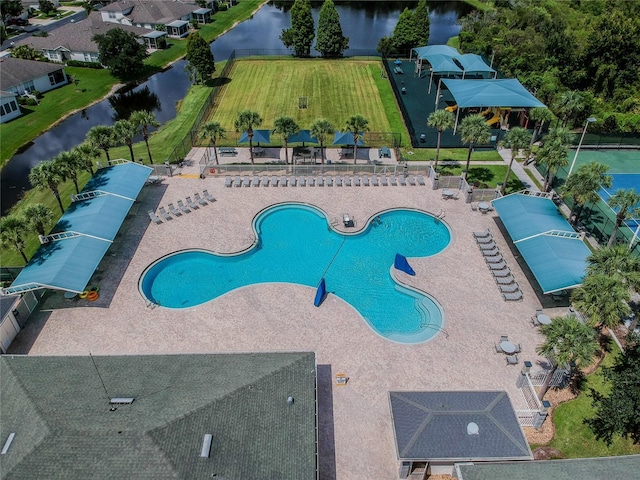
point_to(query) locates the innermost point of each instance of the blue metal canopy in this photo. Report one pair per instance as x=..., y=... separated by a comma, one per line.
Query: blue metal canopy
x=472, y=63
x=259, y=136
x=76, y=245
x=302, y=136
x=503, y=92
x=555, y=253
x=346, y=138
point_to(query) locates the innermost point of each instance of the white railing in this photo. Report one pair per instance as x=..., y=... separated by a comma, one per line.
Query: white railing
x=526, y=418
x=537, y=193
x=538, y=377
x=57, y=236
x=86, y=195
x=118, y=161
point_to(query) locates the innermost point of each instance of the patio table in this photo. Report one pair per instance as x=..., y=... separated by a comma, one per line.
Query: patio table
x=484, y=207
x=447, y=193
x=507, y=347
x=544, y=319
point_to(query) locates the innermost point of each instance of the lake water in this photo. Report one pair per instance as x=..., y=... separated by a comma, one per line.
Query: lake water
x=363, y=22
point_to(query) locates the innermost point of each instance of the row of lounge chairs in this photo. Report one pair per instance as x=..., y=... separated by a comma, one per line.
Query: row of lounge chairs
x=191, y=205
x=322, y=180
x=504, y=279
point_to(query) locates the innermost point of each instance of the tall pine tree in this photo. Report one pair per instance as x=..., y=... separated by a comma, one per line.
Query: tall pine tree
x=330, y=42
x=405, y=35
x=200, y=58
x=421, y=19
x=300, y=35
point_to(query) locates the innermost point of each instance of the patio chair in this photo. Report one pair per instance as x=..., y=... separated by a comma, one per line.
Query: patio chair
x=365, y=181
x=191, y=204
x=320, y=181
x=482, y=234
x=487, y=246
x=393, y=181
x=402, y=180
x=292, y=181
x=518, y=348
x=174, y=211
x=501, y=272
x=265, y=181
x=311, y=181
x=491, y=253
x=384, y=181
x=338, y=181
x=509, y=288
x=164, y=214
x=494, y=259
x=347, y=181
x=508, y=280
x=284, y=181
x=504, y=338
x=485, y=240
x=517, y=295
x=208, y=196
x=421, y=180
x=237, y=182
x=411, y=180
x=374, y=181
x=498, y=348
x=256, y=181
x=227, y=181
x=301, y=181
x=356, y=181
x=474, y=207
x=246, y=182
x=157, y=220
x=497, y=266
x=274, y=181
x=512, y=359
x=183, y=207
x=329, y=180
x=199, y=199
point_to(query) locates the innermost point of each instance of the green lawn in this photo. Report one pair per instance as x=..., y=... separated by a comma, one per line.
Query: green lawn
x=573, y=438
x=336, y=89
x=451, y=154
x=484, y=176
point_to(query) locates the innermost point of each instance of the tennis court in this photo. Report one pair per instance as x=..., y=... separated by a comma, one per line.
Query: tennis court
x=622, y=181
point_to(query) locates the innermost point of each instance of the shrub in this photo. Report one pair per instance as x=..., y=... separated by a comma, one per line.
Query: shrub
x=78, y=63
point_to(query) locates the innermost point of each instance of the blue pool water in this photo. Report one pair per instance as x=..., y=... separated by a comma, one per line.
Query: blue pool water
x=296, y=245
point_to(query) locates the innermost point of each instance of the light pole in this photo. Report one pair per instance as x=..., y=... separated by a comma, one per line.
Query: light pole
x=575, y=157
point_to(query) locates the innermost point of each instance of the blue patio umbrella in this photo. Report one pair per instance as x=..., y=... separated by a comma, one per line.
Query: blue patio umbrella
x=259, y=136
x=321, y=292
x=346, y=138
x=301, y=137
x=400, y=263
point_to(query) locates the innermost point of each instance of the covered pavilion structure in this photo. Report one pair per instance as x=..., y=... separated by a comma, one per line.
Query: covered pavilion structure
x=554, y=252
x=73, y=250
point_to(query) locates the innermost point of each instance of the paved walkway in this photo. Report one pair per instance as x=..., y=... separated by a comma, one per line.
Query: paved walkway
x=355, y=432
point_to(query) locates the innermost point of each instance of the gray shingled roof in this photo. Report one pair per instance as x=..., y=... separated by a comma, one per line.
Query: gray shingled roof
x=15, y=71
x=78, y=37
x=60, y=413
x=152, y=11
x=609, y=468
x=433, y=426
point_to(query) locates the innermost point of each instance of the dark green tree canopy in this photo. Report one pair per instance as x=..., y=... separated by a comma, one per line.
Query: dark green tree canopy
x=121, y=52
x=10, y=8
x=423, y=24
x=26, y=52
x=201, y=62
x=300, y=36
x=330, y=41
x=617, y=412
x=405, y=35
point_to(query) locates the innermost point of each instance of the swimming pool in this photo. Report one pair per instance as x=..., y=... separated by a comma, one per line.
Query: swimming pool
x=296, y=244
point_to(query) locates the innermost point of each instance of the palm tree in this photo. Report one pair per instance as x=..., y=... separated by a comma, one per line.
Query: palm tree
x=473, y=130
x=123, y=132
x=214, y=132
x=320, y=129
x=48, y=175
x=627, y=202
x=247, y=120
x=356, y=124
x=38, y=217
x=616, y=261
x=603, y=299
x=441, y=120
x=583, y=187
x=144, y=119
x=569, y=103
x=539, y=115
x=286, y=126
x=568, y=341
x=516, y=139
x=101, y=137
x=86, y=153
x=12, y=231
x=69, y=164
x=553, y=153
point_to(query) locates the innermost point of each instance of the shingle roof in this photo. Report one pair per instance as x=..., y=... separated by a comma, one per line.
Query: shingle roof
x=59, y=410
x=610, y=468
x=78, y=37
x=152, y=11
x=15, y=71
x=433, y=426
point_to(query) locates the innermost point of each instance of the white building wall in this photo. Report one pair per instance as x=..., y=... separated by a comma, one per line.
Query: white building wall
x=10, y=113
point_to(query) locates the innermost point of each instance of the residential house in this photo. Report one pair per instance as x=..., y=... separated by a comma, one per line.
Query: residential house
x=157, y=417
x=19, y=76
x=172, y=16
x=74, y=41
x=35, y=4
x=9, y=108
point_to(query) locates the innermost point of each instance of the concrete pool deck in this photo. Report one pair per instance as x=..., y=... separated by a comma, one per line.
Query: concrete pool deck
x=355, y=431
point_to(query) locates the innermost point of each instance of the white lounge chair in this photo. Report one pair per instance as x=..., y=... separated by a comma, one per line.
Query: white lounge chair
x=497, y=265
x=191, y=205
x=237, y=182
x=491, y=253
x=513, y=296
x=284, y=181
x=338, y=181
x=301, y=181
x=246, y=182
x=227, y=181
x=509, y=288
x=485, y=240
x=393, y=181
x=508, y=280
x=494, y=259
x=320, y=181
x=365, y=181
x=411, y=180
x=356, y=181
x=347, y=181
x=292, y=181
x=256, y=181
x=174, y=211
x=265, y=181
x=208, y=196
x=374, y=181
x=421, y=180
x=154, y=218
x=329, y=181
x=402, y=180
x=274, y=180
x=482, y=234
x=311, y=181
x=183, y=207
x=384, y=181
x=501, y=272
x=199, y=199
x=487, y=246
x=164, y=214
